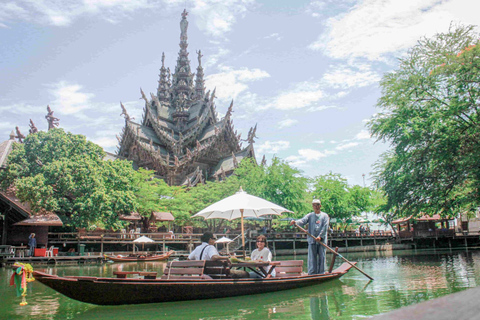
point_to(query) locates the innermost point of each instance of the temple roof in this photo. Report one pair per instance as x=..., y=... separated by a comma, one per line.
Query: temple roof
x=179, y=135
x=5, y=149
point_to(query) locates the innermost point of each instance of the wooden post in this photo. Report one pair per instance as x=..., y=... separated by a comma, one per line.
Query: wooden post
x=294, y=250
x=274, y=253
x=4, y=231
x=101, y=246
x=333, y=261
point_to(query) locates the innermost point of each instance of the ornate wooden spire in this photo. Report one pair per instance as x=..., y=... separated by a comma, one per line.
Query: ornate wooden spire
x=33, y=128
x=163, y=82
x=52, y=121
x=199, y=82
x=19, y=135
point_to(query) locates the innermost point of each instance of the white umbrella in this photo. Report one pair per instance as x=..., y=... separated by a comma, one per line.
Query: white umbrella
x=241, y=205
x=142, y=240
x=224, y=240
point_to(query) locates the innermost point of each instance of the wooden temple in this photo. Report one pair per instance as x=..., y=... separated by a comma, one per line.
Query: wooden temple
x=179, y=135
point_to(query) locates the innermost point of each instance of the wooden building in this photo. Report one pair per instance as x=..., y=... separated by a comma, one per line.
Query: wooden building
x=424, y=226
x=179, y=135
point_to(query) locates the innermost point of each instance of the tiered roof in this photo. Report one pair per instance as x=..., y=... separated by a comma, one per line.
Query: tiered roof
x=180, y=136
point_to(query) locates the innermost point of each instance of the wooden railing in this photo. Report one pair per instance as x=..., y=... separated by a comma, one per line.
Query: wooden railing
x=181, y=237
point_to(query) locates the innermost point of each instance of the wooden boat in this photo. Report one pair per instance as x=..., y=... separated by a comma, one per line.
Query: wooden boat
x=140, y=258
x=118, y=291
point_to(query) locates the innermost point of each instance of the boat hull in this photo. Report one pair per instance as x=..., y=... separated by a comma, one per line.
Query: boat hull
x=113, y=291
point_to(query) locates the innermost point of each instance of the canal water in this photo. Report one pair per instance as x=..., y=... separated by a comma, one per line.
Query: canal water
x=402, y=278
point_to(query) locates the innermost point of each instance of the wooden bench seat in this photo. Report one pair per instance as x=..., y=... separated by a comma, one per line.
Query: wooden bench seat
x=217, y=269
x=184, y=270
x=289, y=268
x=145, y=274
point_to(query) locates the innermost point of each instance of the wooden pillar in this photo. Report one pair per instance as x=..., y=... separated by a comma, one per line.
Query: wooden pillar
x=4, y=231
x=274, y=253
x=294, y=250
x=164, y=248
x=332, y=262
x=101, y=246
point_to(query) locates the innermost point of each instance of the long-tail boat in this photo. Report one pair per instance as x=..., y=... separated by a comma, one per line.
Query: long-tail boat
x=123, y=290
x=140, y=257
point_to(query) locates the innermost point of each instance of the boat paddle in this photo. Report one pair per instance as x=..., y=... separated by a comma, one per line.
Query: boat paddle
x=334, y=252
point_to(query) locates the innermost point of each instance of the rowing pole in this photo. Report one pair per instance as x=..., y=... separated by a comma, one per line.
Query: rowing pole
x=334, y=252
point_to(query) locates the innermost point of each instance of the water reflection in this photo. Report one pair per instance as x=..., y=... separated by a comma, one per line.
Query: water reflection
x=401, y=278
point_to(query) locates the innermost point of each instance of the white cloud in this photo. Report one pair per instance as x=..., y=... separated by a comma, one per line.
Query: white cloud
x=106, y=142
x=64, y=13
x=362, y=135
x=213, y=58
x=230, y=83
x=217, y=17
x=347, y=146
x=342, y=76
x=69, y=99
x=320, y=108
x=275, y=36
x=272, y=146
x=24, y=108
x=286, y=123
x=297, y=99
x=374, y=28
x=308, y=155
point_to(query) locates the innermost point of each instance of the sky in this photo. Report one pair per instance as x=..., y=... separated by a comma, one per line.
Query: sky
x=306, y=72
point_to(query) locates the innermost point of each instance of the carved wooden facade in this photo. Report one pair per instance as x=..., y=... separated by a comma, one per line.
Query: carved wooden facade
x=179, y=135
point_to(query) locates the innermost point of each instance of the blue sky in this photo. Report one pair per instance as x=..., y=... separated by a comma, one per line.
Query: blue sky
x=307, y=72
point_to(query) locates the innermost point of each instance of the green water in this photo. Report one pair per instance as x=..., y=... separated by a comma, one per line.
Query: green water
x=401, y=278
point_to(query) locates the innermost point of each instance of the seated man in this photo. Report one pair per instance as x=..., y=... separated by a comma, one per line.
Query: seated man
x=207, y=250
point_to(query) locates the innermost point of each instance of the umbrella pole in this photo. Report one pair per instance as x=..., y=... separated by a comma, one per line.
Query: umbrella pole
x=243, y=236
x=334, y=252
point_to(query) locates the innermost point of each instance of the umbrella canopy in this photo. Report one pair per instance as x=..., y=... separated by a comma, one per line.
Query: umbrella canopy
x=143, y=239
x=224, y=240
x=241, y=205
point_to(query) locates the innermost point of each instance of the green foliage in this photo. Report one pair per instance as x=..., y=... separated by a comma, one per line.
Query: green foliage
x=65, y=173
x=430, y=116
x=340, y=200
x=278, y=183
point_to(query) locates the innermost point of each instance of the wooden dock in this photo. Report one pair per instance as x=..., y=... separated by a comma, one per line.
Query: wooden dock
x=57, y=260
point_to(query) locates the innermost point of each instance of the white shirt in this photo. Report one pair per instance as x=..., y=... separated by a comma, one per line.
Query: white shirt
x=264, y=255
x=208, y=253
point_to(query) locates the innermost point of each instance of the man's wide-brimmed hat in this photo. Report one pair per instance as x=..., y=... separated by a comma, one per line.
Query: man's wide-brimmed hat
x=315, y=201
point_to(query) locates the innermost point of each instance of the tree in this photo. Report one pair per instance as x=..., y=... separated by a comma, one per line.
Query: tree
x=337, y=201
x=430, y=116
x=66, y=174
x=278, y=183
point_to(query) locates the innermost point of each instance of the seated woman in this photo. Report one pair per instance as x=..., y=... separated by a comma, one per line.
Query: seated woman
x=262, y=253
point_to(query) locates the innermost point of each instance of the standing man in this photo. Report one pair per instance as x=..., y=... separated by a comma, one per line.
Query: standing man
x=318, y=223
x=32, y=244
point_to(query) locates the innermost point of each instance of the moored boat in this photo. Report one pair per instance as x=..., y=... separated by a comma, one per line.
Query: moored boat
x=118, y=291
x=140, y=257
